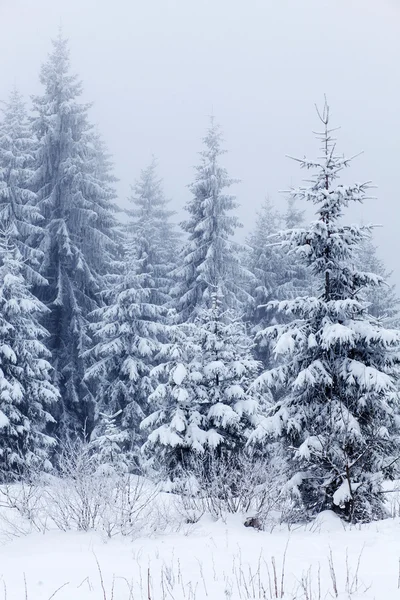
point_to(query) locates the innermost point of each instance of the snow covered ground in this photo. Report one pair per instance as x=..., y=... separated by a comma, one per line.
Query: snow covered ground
x=208, y=559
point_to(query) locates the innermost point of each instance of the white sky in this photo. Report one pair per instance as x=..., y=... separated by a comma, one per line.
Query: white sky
x=156, y=68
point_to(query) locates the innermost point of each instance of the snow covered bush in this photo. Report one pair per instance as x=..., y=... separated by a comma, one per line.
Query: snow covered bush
x=107, y=446
x=83, y=497
x=336, y=409
x=173, y=426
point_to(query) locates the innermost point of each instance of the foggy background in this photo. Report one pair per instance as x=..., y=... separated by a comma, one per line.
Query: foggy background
x=155, y=70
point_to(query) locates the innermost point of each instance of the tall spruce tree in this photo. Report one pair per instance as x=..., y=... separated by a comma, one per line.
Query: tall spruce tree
x=19, y=214
x=151, y=232
x=210, y=259
x=27, y=396
x=336, y=412
x=79, y=240
x=128, y=335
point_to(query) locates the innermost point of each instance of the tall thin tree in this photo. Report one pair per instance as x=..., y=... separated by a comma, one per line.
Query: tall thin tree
x=210, y=259
x=152, y=233
x=79, y=240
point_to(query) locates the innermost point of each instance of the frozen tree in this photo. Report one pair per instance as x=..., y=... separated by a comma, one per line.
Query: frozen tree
x=266, y=261
x=79, y=243
x=107, y=446
x=174, y=425
x=383, y=302
x=294, y=216
x=336, y=408
x=210, y=259
x=202, y=403
x=127, y=335
x=19, y=213
x=151, y=232
x=27, y=395
x=275, y=275
x=104, y=263
x=228, y=369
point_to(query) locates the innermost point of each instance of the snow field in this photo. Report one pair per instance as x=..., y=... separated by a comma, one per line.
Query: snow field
x=171, y=559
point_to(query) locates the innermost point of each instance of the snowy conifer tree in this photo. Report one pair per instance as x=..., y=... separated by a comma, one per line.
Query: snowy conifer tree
x=294, y=216
x=267, y=263
x=27, y=395
x=79, y=243
x=228, y=369
x=203, y=402
x=382, y=299
x=210, y=258
x=174, y=426
x=107, y=446
x=275, y=275
x=127, y=336
x=152, y=233
x=336, y=409
x=19, y=213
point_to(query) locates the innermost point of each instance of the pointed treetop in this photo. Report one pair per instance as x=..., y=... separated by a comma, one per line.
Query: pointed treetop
x=54, y=72
x=15, y=100
x=212, y=140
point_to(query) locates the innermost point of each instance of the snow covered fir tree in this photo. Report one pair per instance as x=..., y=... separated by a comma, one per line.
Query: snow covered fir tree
x=129, y=333
x=107, y=446
x=152, y=233
x=27, y=396
x=204, y=404
x=19, y=214
x=275, y=275
x=79, y=242
x=336, y=412
x=210, y=258
x=266, y=262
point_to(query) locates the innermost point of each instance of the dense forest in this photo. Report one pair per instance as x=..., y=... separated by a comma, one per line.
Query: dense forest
x=174, y=350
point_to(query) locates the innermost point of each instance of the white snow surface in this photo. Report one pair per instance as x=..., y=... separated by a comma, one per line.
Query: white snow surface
x=206, y=560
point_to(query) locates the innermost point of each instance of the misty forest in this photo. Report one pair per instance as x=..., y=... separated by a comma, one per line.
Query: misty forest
x=256, y=375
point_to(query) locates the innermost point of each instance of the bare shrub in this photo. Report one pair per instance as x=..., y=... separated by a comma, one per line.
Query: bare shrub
x=80, y=498
x=221, y=485
x=22, y=507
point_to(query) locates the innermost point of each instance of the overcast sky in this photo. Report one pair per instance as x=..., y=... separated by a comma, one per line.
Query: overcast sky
x=156, y=69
